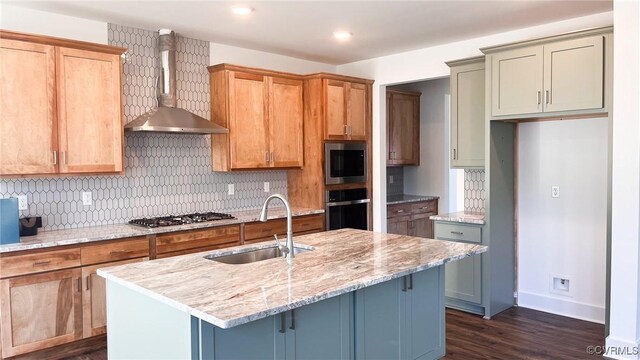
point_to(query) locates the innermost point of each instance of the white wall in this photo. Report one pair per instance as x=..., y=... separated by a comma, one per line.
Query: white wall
x=625, y=233
x=428, y=63
x=563, y=236
x=20, y=19
x=432, y=176
x=246, y=57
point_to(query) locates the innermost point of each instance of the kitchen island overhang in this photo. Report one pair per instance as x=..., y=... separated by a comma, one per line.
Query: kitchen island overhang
x=343, y=263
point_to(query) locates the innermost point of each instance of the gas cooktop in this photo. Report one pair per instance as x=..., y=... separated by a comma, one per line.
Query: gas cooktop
x=180, y=219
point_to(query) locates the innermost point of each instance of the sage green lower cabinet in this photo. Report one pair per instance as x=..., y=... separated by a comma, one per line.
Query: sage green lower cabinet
x=402, y=318
x=463, y=278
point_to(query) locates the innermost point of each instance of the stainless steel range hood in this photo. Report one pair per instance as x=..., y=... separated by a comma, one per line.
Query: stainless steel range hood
x=166, y=117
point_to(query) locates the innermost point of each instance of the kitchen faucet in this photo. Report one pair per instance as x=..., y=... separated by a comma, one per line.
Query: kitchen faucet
x=263, y=218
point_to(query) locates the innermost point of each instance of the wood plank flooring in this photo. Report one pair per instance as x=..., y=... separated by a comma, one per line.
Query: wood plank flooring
x=517, y=333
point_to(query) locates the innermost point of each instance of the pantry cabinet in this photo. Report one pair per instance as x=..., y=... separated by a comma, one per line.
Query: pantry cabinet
x=403, y=127
x=467, y=112
x=66, y=94
x=549, y=77
x=345, y=110
x=263, y=111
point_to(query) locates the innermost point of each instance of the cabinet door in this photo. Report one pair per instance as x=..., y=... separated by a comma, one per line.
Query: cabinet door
x=573, y=76
x=405, y=129
x=516, y=82
x=258, y=340
x=399, y=225
x=27, y=108
x=357, y=111
x=321, y=330
x=424, y=315
x=421, y=226
x=335, y=126
x=89, y=111
x=285, y=122
x=379, y=313
x=94, y=299
x=467, y=115
x=248, y=130
x=40, y=311
x=463, y=279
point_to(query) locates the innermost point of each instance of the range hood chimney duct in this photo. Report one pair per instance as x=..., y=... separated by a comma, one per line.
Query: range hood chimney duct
x=166, y=117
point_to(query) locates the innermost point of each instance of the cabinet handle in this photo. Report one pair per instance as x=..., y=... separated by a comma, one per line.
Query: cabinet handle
x=547, y=97
x=55, y=157
x=282, y=329
x=350, y=130
x=410, y=281
x=457, y=232
x=346, y=130
x=455, y=154
x=88, y=282
x=41, y=263
x=79, y=284
x=117, y=252
x=293, y=320
x=266, y=156
x=404, y=283
x=538, y=97
x=400, y=211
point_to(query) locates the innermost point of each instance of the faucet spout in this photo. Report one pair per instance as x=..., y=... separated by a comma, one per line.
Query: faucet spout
x=263, y=217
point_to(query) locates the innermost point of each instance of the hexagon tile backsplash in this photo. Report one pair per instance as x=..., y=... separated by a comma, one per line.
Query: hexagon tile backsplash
x=164, y=173
x=474, y=193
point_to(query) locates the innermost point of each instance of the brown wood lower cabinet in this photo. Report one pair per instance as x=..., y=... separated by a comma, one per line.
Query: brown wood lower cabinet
x=263, y=231
x=40, y=311
x=192, y=241
x=412, y=218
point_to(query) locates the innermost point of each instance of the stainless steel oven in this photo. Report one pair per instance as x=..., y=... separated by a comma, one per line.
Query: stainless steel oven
x=345, y=163
x=347, y=209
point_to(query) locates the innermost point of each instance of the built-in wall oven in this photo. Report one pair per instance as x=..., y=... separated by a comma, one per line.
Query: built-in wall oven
x=345, y=163
x=347, y=209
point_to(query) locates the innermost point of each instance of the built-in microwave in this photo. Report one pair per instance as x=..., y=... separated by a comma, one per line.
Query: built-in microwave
x=345, y=163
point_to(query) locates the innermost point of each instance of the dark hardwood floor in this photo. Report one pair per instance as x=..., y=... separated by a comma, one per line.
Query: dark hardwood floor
x=517, y=333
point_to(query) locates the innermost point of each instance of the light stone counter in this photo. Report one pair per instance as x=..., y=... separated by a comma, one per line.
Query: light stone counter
x=53, y=238
x=460, y=217
x=229, y=295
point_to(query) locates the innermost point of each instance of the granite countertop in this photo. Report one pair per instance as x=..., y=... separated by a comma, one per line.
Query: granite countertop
x=229, y=295
x=405, y=198
x=118, y=231
x=461, y=217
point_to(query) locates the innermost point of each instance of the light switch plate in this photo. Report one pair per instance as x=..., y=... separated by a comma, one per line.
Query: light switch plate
x=87, y=199
x=555, y=191
x=266, y=186
x=23, y=204
x=232, y=189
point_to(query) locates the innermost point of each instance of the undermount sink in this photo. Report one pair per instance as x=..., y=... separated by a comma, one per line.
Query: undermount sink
x=254, y=255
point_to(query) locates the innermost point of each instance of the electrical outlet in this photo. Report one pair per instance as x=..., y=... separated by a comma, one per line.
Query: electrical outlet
x=23, y=204
x=561, y=285
x=555, y=191
x=390, y=179
x=232, y=189
x=266, y=186
x=87, y=199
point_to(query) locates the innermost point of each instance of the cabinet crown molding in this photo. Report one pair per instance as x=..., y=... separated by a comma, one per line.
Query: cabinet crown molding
x=266, y=72
x=465, y=61
x=566, y=36
x=55, y=41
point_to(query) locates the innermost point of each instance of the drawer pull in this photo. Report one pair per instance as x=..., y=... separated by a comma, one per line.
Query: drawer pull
x=118, y=252
x=424, y=208
x=400, y=211
x=457, y=232
x=42, y=263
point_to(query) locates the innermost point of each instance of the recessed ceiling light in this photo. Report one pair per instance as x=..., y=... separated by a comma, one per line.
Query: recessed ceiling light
x=242, y=10
x=342, y=35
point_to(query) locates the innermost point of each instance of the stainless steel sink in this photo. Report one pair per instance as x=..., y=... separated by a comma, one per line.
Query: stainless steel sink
x=253, y=255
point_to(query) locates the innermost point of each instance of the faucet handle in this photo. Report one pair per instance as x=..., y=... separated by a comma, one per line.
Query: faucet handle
x=283, y=249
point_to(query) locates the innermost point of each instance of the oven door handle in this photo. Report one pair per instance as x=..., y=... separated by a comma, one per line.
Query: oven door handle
x=352, y=202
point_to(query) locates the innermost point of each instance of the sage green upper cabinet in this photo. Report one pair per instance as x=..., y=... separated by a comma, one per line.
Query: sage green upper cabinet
x=467, y=112
x=555, y=76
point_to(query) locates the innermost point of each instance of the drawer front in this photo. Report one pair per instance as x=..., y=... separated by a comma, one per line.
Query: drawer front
x=399, y=210
x=129, y=248
x=36, y=262
x=458, y=232
x=430, y=206
x=221, y=236
x=259, y=231
x=308, y=224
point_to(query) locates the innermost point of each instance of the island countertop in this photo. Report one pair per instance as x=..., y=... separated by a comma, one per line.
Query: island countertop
x=229, y=295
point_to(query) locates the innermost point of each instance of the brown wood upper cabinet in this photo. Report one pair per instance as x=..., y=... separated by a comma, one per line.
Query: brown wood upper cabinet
x=67, y=95
x=403, y=127
x=346, y=110
x=263, y=111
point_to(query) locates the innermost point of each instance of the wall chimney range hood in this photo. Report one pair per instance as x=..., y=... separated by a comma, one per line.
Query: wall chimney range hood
x=166, y=117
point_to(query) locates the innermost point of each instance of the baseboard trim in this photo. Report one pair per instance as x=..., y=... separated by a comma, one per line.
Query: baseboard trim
x=613, y=345
x=563, y=307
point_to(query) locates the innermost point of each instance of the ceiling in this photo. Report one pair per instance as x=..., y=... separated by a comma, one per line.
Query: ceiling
x=304, y=29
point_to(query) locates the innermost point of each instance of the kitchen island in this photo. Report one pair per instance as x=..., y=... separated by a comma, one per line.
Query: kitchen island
x=353, y=294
